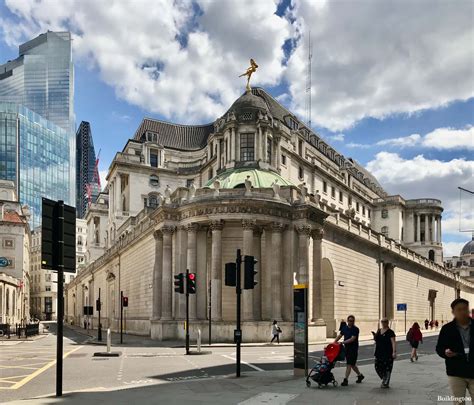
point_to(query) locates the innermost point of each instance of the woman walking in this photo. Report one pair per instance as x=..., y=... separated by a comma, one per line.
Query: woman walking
x=414, y=337
x=275, y=332
x=385, y=352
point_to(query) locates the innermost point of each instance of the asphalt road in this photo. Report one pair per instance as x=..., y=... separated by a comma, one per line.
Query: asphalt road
x=33, y=364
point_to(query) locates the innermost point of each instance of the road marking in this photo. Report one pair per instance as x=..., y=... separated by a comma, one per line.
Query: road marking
x=244, y=362
x=37, y=372
x=269, y=397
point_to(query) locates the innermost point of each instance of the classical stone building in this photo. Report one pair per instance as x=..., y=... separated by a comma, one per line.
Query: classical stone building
x=15, y=241
x=257, y=179
x=463, y=265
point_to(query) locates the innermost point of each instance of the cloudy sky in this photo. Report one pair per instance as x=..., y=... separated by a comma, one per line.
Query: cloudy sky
x=392, y=82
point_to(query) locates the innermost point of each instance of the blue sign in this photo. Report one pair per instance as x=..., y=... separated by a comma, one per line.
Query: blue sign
x=401, y=307
x=4, y=262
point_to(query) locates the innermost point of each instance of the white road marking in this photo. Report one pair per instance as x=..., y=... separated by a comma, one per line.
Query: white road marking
x=244, y=362
x=274, y=398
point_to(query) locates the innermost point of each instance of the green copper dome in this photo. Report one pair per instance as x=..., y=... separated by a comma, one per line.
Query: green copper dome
x=235, y=178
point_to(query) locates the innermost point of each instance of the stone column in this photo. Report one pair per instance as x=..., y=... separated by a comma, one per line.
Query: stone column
x=248, y=227
x=157, y=276
x=427, y=229
x=433, y=229
x=266, y=279
x=233, y=145
x=418, y=228
x=218, y=141
x=192, y=266
x=202, y=284
x=167, y=281
x=257, y=292
x=216, y=270
x=439, y=229
x=289, y=259
x=278, y=155
x=304, y=232
x=118, y=200
x=317, y=278
x=277, y=230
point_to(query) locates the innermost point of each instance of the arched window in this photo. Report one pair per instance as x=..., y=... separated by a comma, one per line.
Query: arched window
x=384, y=231
x=153, y=201
x=384, y=213
x=79, y=240
x=431, y=255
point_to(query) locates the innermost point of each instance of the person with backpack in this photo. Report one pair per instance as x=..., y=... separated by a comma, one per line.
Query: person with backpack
x=414, y=337
x=276, y=330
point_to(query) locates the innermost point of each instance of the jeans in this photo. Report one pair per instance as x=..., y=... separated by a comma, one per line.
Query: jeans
x=277, y=337
x=459, y=386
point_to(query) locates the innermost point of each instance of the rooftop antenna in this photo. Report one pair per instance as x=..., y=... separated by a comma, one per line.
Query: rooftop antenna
x=308, y=82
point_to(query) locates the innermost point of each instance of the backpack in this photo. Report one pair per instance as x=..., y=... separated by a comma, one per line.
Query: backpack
x=410, y=335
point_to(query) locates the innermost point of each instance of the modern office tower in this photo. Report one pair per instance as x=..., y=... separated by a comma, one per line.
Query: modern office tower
x=42, y=78
x=87, y=181
x=38, y=156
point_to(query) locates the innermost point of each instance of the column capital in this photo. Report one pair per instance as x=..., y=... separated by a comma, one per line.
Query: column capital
x=249, y=223
x=304, y=230
x=158, y=234
x=277, y=227
x=257, y=231
x=168, y=229
x=317, y=234
x=216, y=225
x=192, y=227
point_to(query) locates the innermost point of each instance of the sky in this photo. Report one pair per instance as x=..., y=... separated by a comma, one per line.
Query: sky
x=392, y=82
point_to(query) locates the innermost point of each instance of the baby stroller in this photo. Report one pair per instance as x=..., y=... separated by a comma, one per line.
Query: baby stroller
x=321, y=373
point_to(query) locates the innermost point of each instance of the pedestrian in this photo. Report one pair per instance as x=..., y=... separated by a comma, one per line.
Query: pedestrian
x=456, y=346
x=351, y=345
x=414, y=337
x=275, y=332
x=426, y=324
x=385, y=352
x=436, y=324
x=431, y=324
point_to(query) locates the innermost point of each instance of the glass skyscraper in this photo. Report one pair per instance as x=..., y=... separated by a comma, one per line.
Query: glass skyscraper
x=38, y=156
x=37, y=129
x=42, y=78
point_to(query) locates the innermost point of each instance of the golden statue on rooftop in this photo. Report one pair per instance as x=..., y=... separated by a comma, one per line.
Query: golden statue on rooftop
x=253, y=67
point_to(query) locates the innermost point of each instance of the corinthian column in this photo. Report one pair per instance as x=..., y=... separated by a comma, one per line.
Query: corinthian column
x=277, y=230
x=216, y=270
x=157, y=276
x=304, y=232
x=317, y=277
x=427, y=229
x=257, y=292
x=192, y=266
x=248, y=227
x=167, y=284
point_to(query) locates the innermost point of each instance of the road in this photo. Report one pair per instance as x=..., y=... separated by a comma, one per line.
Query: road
x=27, y=369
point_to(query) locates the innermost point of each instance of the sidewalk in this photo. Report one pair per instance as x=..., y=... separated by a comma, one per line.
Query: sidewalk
x=146, y=341
x=412, y=384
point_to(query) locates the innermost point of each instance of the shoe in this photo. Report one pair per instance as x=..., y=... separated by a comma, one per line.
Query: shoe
x=360, y=377
x=344, y=383
x=416, y=357
x=411, y=359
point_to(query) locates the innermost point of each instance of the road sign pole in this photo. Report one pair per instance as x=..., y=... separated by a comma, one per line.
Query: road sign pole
x=59, y=320
x=187, y=313
x=121, y=317
x=99, y=327
x=405, y=320
x=238, y=290
x=210, y=310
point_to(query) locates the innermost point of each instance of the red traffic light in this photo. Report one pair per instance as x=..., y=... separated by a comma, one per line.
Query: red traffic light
x=192, y=276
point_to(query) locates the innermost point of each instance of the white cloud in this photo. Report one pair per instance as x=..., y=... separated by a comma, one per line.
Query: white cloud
x=401, y=142
x=450, y=138
x=376, y=58
x=162, y=55
x=337, y=137
x=426, y=178
x=103, y=175
x=453, y=248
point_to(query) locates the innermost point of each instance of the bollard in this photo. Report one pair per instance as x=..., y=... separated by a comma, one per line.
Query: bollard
x=109, y=340
x=199, y=341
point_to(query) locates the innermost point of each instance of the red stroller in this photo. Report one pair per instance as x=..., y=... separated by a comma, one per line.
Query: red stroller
x=321, y=373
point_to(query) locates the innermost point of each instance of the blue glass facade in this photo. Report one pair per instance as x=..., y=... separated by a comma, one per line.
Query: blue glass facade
x=38, y=156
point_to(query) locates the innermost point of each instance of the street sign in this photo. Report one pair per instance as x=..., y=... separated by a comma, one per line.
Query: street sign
x=401, y=307
x=4, y=262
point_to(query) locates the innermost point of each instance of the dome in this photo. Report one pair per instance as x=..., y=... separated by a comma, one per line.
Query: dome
x=235, y=178
x=249, y=101
x=468, y=248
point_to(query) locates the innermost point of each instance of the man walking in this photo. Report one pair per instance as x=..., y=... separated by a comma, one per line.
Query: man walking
x=456, y=346
x=351, y=345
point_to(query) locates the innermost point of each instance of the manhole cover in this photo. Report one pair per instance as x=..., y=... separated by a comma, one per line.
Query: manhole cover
x=78, y=355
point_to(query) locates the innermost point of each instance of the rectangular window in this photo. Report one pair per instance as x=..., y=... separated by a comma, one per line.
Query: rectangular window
x=350, y=200
x=333, y=192
x=247, y=147
x=189, y=182
x=153, y=159
x=269, y=150
x=368, y=212
x=283, y=160
x=300, y=148
x=325, y=187
x=301, y=173
x=363, y=210
x=357, y=206
x=341, y=197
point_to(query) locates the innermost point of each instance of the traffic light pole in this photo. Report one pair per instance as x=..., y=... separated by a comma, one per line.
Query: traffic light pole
x=99, y=328
x=121, y=317
x=238, y=290
x=59, y=321
x=187, y=313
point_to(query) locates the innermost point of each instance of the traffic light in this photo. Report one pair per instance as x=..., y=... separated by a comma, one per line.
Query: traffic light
x=97, y=305
x=191, y=283
x=125, y=301
x=249, y=272
x=230, y=275
x=179, y=283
